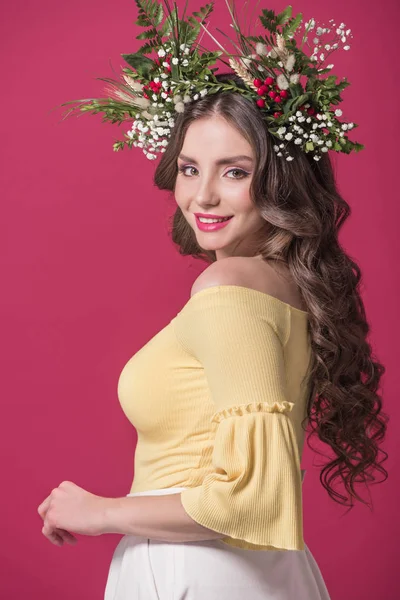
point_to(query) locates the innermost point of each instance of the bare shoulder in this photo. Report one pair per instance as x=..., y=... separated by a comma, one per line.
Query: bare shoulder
x=251, y=272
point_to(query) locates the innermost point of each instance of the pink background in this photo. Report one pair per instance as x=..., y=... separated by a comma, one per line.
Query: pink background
x=89, y=274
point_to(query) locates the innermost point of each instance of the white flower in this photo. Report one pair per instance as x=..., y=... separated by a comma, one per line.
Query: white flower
x=298, y=141
x=280, y=63
x=281, y=145
x=328, y=143
x=282, y=82
x=299, y=113
x=315, y=125
x=203, y=92
x=322, y=56
x=324, y=149
x=281, y=130
x=301, y=119
x=289, y=157
x=177, y=98
x=343, y=39
x=196, y=97
x=261, y=49
x=294, y=78
x=165, y=64
x=187, y=50
x=330, y=66
x=165, y=84
x=316, y=157
x=346, y=47
x=350, y=125
x=161, y=52
x=160, y=130
x=339, y=31
x=276, y=148
x=308, y=119
x=344, y=126
x=164, y=143
x=348, y=31
x=338, y=112
x=164, y=75
x=290, y=63
x=319, y=31
x=185, y=62
x=175, y=61
x=182, y=47
x=279, y=154
x=327, y=47
x=155, y=97
x=288, y=136
x=186, y=99
x=315, y=40
x=310, y=24
x=329, y=123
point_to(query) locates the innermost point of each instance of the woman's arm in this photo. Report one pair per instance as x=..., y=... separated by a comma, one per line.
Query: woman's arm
x=160, y=518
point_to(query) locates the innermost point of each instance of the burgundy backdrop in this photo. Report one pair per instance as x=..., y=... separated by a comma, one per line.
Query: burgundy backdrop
x=89, y=274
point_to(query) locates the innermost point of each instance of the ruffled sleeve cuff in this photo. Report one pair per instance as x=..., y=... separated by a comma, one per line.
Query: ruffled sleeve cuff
x=254, y=492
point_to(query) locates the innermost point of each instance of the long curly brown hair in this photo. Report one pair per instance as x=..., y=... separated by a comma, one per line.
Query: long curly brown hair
x=304, y=212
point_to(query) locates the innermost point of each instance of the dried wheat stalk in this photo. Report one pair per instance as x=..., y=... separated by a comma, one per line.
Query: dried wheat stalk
x=242, y=72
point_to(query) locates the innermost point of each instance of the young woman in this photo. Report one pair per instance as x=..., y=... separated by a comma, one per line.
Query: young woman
x=272, y=339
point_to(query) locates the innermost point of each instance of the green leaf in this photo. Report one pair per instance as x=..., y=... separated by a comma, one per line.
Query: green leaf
x=293, y=25
x=148, y=34
x=309, y=146
x=283, y=17
x=140, y=63
x=299, y=101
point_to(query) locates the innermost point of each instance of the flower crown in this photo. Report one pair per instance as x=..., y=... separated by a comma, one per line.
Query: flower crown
x=286, y=84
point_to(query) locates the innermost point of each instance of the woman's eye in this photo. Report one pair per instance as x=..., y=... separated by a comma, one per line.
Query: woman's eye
x=240, y=174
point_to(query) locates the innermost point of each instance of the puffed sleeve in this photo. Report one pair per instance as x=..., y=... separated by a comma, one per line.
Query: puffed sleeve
x=254, y=492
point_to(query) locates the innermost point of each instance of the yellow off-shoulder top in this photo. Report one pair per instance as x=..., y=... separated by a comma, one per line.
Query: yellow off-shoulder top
x=217, y=398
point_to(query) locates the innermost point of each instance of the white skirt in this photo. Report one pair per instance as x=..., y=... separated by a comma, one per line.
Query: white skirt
x=146, y=569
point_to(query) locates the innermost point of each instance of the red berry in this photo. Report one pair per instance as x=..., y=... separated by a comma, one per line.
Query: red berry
x=257, y=82
x=269, y=81
x=311, y=110
x=271, y=94
x=278, y=99
x=145, y=95
x=260, y=103
x=277, y=114
x=262, y=90
x=283, y=94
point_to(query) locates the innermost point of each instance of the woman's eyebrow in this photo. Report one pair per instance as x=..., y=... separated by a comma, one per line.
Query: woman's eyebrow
x=222, y=161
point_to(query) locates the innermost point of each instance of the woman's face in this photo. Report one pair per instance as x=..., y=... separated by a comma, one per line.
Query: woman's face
x=215, y=169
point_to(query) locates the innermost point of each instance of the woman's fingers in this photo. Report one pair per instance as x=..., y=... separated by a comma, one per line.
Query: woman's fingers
x=58, y=536
x=67, y=536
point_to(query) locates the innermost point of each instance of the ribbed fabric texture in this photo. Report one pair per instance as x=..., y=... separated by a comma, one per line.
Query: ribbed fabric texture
x=231, y=366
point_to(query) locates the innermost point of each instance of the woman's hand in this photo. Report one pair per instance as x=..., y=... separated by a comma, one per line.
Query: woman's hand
x=71, y=508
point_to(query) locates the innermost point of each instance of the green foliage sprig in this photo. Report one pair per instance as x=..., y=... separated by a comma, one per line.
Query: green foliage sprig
x=171, y=69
